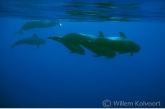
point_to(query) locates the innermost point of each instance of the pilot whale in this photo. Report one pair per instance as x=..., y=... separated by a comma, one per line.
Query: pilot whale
x=99, y=50
x=74, y=48
x=38, y=24
x=34, y=40
x=72, y=41
x=119, y=44
x=85, y=39
x=76, y=39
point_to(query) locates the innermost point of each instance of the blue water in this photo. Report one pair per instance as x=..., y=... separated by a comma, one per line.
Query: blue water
x=50, y=76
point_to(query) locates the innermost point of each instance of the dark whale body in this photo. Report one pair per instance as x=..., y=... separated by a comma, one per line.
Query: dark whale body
x=99, y=50
x=119, y=44
x=74, y=48
x=73, y=41
x=85, y=39
x=101, y=46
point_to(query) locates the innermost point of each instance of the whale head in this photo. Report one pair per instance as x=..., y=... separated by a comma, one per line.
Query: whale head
x=135, y=47
x=132, y=48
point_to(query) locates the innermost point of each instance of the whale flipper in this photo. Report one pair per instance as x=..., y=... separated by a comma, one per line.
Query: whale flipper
x=37, y=46
x=74, y=48
x=131, y=54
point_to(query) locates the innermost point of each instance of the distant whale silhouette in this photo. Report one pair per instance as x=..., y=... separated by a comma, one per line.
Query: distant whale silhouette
x=74, y=48
x=34, y=40
x=37, y=24
x=120, y=44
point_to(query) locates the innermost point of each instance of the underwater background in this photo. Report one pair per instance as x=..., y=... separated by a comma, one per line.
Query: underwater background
x=52, y=77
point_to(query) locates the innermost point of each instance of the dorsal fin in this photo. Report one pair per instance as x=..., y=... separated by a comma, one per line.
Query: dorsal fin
x=100, y=34
x=122, y=35
x=34, y=35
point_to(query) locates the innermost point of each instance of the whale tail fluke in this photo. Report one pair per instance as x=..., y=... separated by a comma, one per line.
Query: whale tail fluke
x=19, y=32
